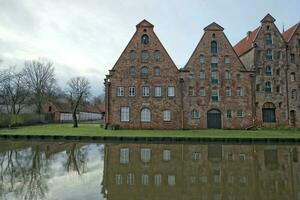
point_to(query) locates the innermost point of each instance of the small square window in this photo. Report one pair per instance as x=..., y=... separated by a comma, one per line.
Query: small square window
x=131, y=91
x=227, y=60
x=240, y=113
x=157, y=91
x=171, y=91
x=120, y=91
x=146, y=91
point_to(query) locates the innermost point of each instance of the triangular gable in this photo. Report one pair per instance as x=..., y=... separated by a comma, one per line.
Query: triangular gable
x=288, y=34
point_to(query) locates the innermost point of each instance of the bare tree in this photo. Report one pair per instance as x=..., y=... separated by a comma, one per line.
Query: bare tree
x=78, y=90
x=40, y=79
x=12, y=90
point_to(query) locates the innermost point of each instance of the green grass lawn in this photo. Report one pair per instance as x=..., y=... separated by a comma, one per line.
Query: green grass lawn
x=95, y=130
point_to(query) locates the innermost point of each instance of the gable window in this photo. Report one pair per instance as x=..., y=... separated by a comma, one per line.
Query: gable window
x=227, y=75
x=294, y=94
x=125, y=113
x=240, y=113
x=166, y=155
x=145, y=55
x=214, y=47
x=257, y=87
x=132, y=71
x=268, y=87
x=191, y=91
x=239, y=92
x=293, y=77
x=202, y=92
x=144, y=72
x=268, y=38
x=214, y=62
x=226, y=60
x=214, y=77
x=131, y=91
x=146, y=91
x=195, y=114
x=157, y=55
x=156, y=71
x=145, y=115
x=171, y=91
x=202, y=75
x=202, y=59
x=120, y=91
x=124, y=155
x=132, y=55
x=157, y=91
x=228, y=91
x=145, y=154
x=269, y=54
x=229, y=114
x=167, y=115
x=145, y=39
x=215, y=95
x=269, y=71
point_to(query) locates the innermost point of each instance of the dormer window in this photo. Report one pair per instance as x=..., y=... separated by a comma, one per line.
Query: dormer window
x=214, y=47
x=145, y=39
x=269, y=39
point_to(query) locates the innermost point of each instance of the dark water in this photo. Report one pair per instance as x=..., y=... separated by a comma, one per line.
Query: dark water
x=64, y=170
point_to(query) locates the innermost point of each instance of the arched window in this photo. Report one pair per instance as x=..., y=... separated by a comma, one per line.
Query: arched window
x=145, y=55
x=227, y=74
x=132, y=55
x=157, y=55
x=145, y=115
x=156, y=71
x=268, y=38
x=145, y=39
x=202, y=59
x=214, y=47
x=268, y=87
x=269, y=71
x=195, y=114
x=269, y=54
x=132, y=71
x=293, y=77
x=202, y=75
x=144, y=72
x=294, y=94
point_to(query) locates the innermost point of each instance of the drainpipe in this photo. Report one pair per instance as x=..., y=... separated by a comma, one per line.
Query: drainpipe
x=287, y=85
x=181, y=81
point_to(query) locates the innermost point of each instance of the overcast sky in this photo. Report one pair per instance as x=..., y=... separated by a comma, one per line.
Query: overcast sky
x=85, y=37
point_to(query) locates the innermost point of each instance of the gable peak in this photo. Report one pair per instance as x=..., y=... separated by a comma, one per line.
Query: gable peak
x=268, y=18
x=144, y=24
x=213, y=27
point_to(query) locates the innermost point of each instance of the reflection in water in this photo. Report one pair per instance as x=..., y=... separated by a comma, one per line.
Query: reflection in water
x=148, y=171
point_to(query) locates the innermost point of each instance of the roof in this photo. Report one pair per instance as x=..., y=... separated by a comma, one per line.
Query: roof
x=246, y=43
x=66, y=107
x=214, y=27
x=144, y=23
x=287, y=35
x=268, y=18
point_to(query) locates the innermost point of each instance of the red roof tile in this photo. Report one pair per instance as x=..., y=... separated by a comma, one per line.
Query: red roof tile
x=287, y=35
x=246, y=43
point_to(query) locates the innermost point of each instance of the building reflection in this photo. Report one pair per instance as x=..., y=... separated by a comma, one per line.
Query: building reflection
x=191, y=171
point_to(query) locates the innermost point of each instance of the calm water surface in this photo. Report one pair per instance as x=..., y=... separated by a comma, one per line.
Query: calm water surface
x=65, y=170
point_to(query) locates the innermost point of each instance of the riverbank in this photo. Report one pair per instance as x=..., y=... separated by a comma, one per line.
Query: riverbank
x=94, y=130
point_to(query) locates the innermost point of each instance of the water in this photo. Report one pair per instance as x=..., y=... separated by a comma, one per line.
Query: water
x=65, y=171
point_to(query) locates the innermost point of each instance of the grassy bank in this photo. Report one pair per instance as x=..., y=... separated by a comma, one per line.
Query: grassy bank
x=95, y=130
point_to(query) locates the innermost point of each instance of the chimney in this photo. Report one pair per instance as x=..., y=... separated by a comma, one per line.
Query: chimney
x=248, y=34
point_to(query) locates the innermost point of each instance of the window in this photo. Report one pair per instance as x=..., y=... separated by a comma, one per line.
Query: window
x=268, y=87
x=269, y=54
x=299, y=42
x=238, y=77
x=196, y=156
x=292, y=57
x=257, y=87
x=166, y=155
x=125, y=113
x=226, y=60
x=242, y=157
x=294, y=94
x=145, y=39
x=258, y=71
x=118, y=179
x=278, y=72
x=227, y=74
x=293, y=77
x=228, y=91
x=214, y=77
x=124, y=155
x=202, y=92
x=215, y=95
x=130, y=179
x=146, y=91
x=171, y=91
x=268, y=38
x=157, y=91
x=269, y=71
x=167, y=115
x=131, y=91
x=202, y=75
x=156, y=71
x=278, y=90
x=120, y=91
x=279, y=55
x=132, y=71
x=214, y=47
x=145, y=154
x=239, y=92
x=145, y=179
x=50, y=109
x=214, y=62
x=195, y=114
x=144, y=72
x=191, y=91
x=240, y=113
x=132, y=55
x=202, y=59
x=157, y=55
x=229, y=114
x=145, y=115
x=157, y=179
x=145, y=55
x=171, y=180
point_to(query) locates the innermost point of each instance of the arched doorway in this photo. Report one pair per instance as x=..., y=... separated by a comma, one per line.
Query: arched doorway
x=268, y=112
x=293, y=118
x=214, y=119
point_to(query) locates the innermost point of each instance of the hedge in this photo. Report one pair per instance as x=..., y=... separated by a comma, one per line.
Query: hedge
x=9, y=120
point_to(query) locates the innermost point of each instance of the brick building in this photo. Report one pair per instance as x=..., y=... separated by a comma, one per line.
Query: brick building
x=256, y=83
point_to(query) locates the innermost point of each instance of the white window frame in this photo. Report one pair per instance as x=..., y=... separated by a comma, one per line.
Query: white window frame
x=130, y=179
x=195, y=114
x=145, y=179
x=240, y=113
x=202, y=75
x=166, y=155
x=158, y=91
x=131, y=91
x=167, y=116
x=145, y=115
x=171, y=91
x=196, y=156
x=125, y=114
x=145, y=155
x=171, y=180
x=146, y=91
x=239, y=91
x=157, y=179
x=228, y=92
x=124, y=155
x=120, y=91
x=202, y=92
x=119, y=179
